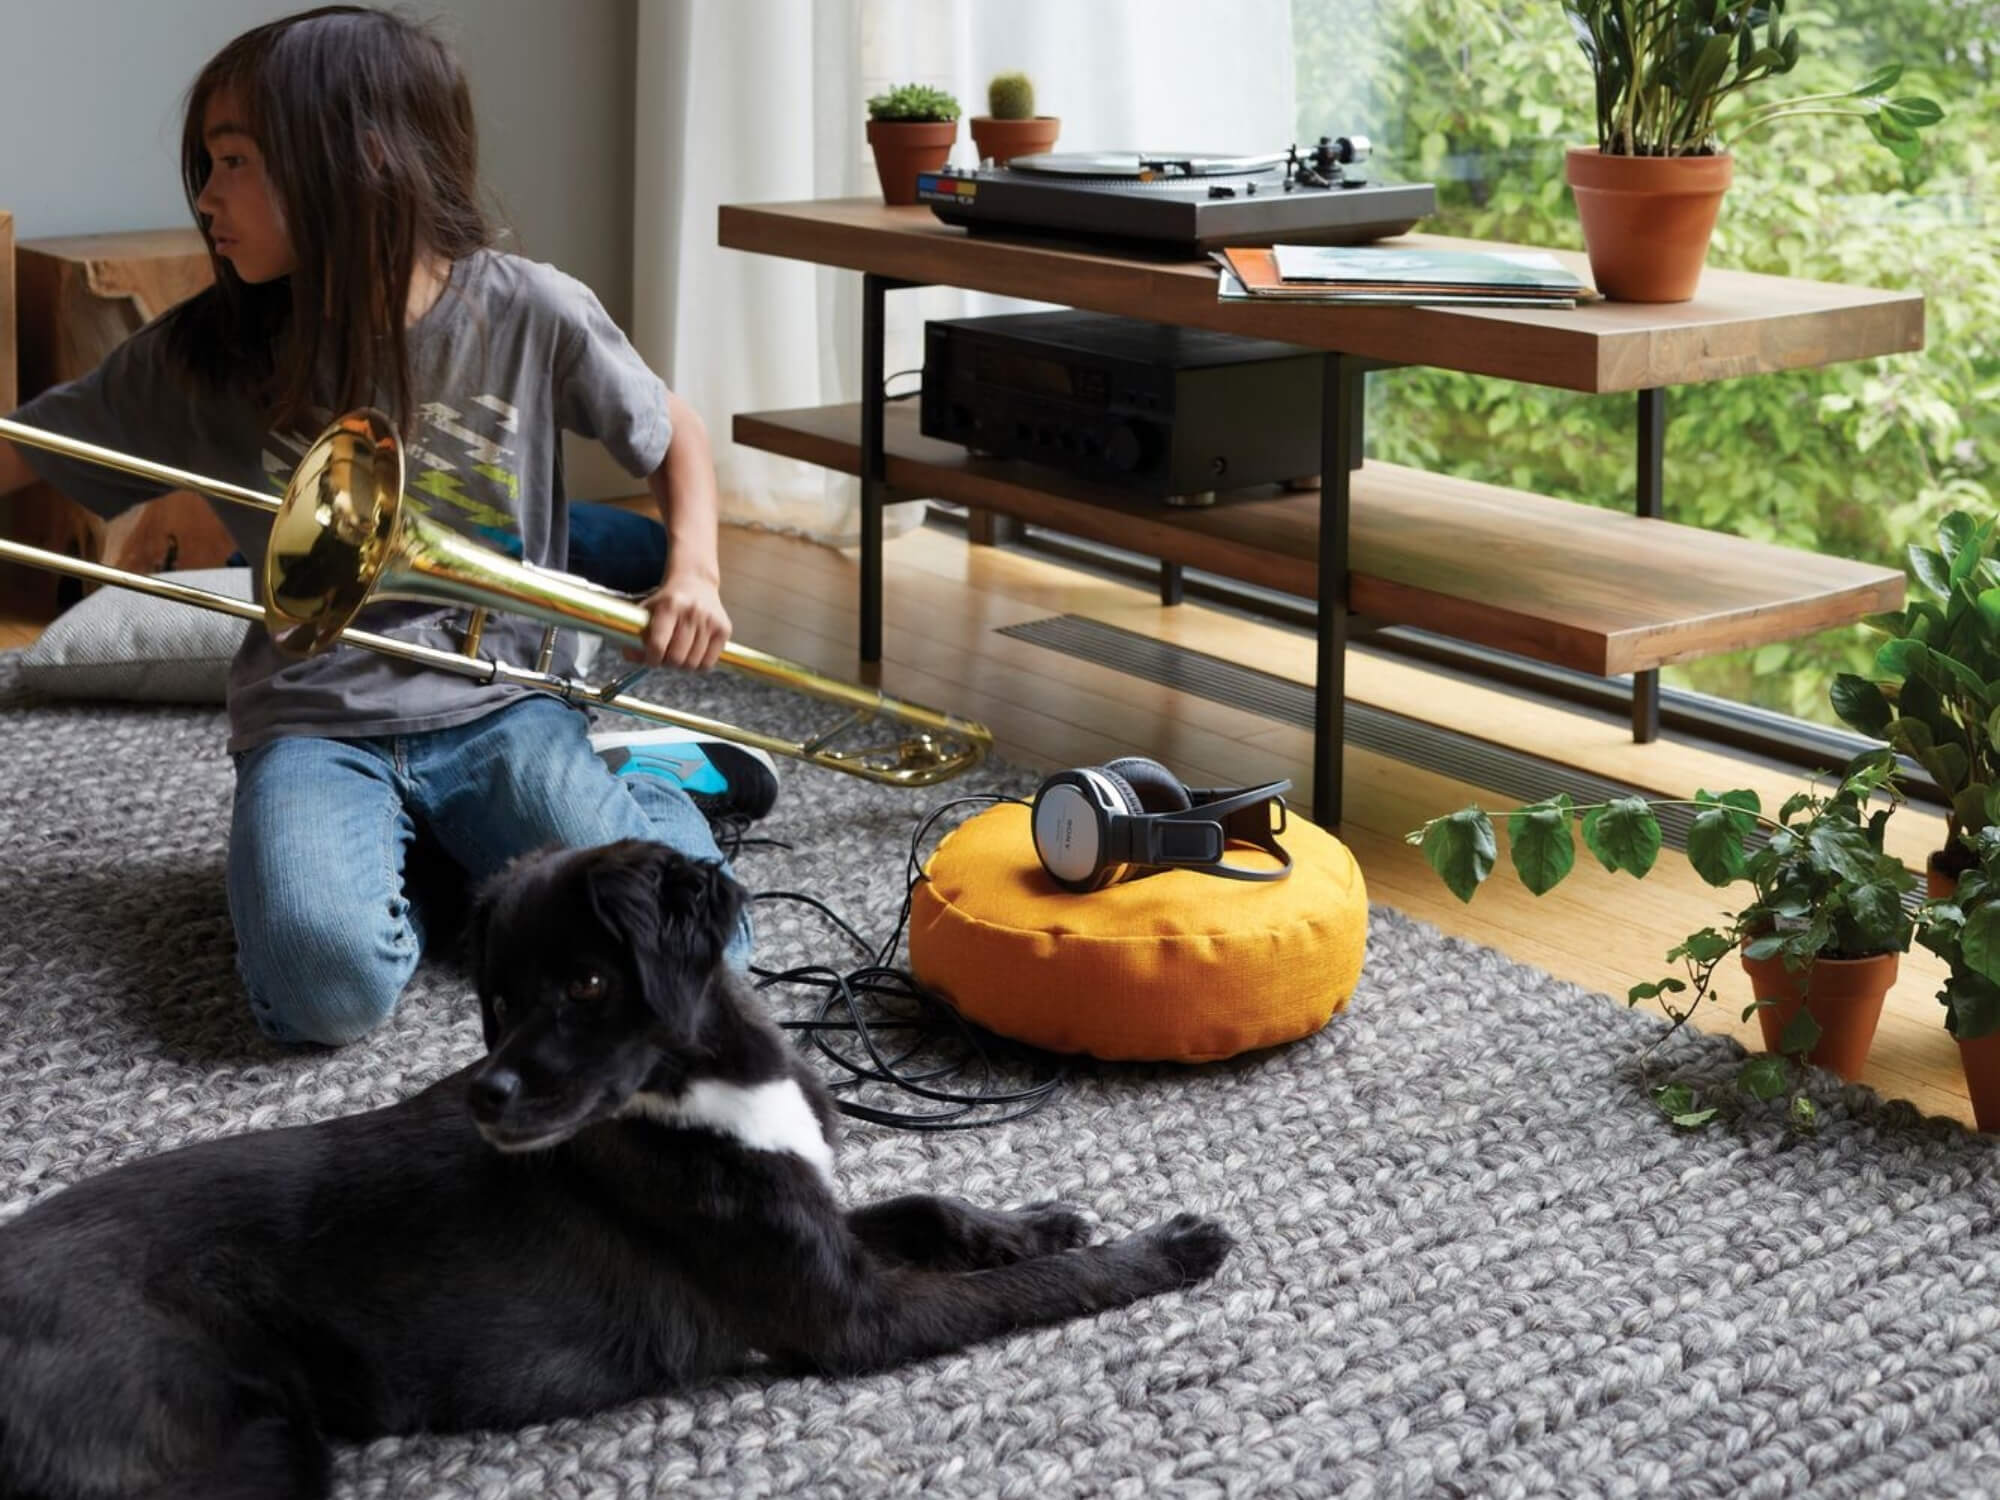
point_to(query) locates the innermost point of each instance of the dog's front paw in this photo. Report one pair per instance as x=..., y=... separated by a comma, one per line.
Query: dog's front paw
x=1192, y=1246
x=1053, y=1227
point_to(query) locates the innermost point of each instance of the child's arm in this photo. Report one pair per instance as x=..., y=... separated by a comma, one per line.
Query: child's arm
x=689, y=626
x=14, y=470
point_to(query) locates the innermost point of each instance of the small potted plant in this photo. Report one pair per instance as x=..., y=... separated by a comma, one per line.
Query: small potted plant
x=1938, y=684
x=1010, y=127
x=1820, y=937
x=1961, y=925
x=911, y=129
x=1670, y=79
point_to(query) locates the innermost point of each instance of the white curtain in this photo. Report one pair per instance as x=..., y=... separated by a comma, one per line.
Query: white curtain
x=742, y=101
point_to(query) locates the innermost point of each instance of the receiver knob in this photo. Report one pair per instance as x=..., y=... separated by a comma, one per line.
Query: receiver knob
x=1125, y=449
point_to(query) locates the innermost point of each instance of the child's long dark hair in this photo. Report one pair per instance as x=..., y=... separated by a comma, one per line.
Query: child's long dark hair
x=365, y=123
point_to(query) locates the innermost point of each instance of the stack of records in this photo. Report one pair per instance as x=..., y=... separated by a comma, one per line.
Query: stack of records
x=1383, y=276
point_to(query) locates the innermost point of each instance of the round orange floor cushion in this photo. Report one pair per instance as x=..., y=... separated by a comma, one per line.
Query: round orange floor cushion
x=1177, y=966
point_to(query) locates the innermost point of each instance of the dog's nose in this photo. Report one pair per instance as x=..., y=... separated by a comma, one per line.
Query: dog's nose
x=492, y=1090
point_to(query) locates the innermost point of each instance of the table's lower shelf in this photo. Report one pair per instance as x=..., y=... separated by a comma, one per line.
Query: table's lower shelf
x=1598, y=590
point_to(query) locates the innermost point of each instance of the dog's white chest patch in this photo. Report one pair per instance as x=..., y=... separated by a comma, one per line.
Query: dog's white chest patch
x=770, y=1116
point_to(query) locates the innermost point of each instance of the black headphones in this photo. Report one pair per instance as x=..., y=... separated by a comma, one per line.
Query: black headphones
x=1098, y=824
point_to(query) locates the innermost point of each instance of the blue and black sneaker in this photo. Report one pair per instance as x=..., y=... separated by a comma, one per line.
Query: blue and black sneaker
x=725, y=780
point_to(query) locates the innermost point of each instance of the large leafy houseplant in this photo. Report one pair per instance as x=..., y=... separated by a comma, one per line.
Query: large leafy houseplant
x=1936, y=693
x=1963, y=928
x=1673, y=76
x=1825, y=900
x=1961, y=925
x=1672, y=79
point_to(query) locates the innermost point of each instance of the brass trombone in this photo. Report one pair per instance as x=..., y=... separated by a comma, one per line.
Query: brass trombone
x=340, y=538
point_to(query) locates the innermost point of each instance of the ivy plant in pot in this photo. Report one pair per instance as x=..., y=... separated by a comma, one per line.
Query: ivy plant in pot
x=1820, y=936
x=1672, y=78
x=1961, y=925
x=911, y=129
x=1010, y=127
x=1936, y=693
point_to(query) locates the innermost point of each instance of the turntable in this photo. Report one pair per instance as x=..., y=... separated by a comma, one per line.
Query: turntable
x=1187, y=203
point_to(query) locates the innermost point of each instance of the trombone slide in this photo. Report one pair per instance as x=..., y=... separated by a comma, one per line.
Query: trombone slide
x=340, y=539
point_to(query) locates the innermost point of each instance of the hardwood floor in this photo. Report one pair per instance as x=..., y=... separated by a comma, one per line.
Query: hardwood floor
x=946, y=601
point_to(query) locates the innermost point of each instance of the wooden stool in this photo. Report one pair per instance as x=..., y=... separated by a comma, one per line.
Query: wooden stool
x=79, y=297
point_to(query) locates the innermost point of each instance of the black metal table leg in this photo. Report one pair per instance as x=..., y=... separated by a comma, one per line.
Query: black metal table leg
x=1172, y=587
x=1340, y=438
x=872, y=398
x=1651, y=502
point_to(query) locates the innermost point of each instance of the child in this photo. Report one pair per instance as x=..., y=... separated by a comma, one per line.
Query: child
x=331, y=161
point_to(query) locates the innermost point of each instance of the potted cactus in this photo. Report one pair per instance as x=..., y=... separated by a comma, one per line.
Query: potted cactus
x=911, y=129
x=1011, y=127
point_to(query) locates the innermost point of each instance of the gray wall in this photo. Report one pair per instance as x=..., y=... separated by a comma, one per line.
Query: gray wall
x=91, y=93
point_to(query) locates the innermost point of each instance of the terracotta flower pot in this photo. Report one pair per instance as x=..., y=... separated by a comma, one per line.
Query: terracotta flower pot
x=1942, y=869
x=1980, y=1055
x=903, y=148
x=1000, y=141
x=1846, y=999
x=1646, y=219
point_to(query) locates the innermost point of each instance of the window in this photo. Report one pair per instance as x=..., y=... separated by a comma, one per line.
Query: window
x=1482, y=96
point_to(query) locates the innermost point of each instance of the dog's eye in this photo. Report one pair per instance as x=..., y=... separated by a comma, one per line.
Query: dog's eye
x=588, y=985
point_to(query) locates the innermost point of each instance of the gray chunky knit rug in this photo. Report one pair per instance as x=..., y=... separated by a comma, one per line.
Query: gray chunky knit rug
x=1473, y=1260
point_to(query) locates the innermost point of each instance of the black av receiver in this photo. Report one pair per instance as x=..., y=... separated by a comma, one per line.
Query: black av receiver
x=1171, y=413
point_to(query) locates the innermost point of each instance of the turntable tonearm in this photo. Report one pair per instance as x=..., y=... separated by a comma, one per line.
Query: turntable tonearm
x=1189, y=202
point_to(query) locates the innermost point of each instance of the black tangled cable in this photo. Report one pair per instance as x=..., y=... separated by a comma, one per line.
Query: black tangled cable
x=909, y=1039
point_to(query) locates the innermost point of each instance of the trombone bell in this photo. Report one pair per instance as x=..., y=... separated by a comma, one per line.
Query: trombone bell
x=335, y=531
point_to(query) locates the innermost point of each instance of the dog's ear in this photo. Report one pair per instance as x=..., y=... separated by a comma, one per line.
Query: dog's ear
x=699, y=898
x=478, y=956
x=675, y=915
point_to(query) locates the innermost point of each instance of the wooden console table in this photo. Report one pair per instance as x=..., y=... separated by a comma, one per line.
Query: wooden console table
x=1605, y=591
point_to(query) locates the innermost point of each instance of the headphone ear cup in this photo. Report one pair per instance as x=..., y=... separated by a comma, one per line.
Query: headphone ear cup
x=1127, y=793
x=1151, y=786
x=1072, y=825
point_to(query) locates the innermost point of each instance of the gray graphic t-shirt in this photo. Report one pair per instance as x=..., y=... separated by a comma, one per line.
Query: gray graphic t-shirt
x=512, y=353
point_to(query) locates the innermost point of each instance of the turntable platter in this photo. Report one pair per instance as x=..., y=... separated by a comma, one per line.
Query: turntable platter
x=1140, y=166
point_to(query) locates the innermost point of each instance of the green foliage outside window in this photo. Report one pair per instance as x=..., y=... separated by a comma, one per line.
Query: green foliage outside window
x=1858, y=460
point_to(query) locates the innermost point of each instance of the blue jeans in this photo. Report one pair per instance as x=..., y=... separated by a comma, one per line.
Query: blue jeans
x=326, y=931
x=618, y=548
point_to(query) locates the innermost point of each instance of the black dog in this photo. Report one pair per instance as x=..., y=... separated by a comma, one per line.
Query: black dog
x=632, y=1189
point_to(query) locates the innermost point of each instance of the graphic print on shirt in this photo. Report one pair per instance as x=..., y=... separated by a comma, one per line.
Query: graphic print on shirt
x=452, y=471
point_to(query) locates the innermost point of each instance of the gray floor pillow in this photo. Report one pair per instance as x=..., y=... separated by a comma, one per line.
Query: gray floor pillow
x=121, y=644
x=117, y=643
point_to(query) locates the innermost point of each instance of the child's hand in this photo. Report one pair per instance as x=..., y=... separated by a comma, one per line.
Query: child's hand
x=688, y=627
